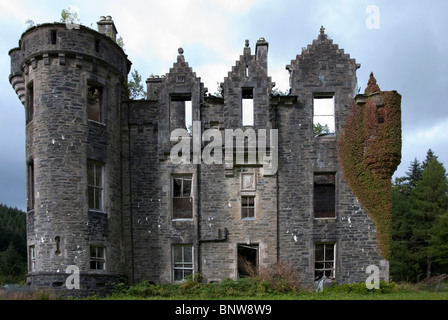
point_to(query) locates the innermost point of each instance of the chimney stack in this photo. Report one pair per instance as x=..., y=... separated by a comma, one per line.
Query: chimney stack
x=261, y=53
x=106, y=26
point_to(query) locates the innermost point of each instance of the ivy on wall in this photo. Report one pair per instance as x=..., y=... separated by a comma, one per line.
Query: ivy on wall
x=370, y=151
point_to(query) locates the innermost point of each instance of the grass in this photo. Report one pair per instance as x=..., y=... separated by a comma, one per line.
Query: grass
x=254, y=289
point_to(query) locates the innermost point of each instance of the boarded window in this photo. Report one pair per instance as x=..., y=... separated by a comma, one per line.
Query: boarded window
x=182, y=261
x=324, y=260
x=247, y=207
x=324, y=195
x=182, y=197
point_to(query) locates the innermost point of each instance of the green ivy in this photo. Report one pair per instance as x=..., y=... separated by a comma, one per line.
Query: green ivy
x=370, y=152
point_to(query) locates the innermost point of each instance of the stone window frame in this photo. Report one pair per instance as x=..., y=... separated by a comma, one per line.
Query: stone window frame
x=324, y=95
x=100, y=187
x=93, y=80
x=328, y=264
x=185, y=267
x=182, y=176
x=248, y=190
x=32, y=258
x=325, y=172
x=98, y=261
x=30, y=187
x=29, y=102
x=247, y=206
x=246, y=96
x=182, y=97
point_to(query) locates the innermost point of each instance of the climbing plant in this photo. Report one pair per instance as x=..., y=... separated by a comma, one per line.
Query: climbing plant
x=370, y=151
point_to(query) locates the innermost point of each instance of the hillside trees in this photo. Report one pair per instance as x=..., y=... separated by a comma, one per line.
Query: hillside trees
x=12, y=244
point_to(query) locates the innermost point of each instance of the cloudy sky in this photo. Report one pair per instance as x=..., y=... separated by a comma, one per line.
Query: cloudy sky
x=404, y=43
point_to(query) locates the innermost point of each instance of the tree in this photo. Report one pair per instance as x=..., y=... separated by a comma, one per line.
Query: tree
x=70, y=16
x=438, y=242
x=320, y=129
x=429, y=202
x=135, y=87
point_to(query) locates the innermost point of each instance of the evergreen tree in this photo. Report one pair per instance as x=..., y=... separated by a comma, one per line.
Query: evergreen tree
x=429, y=201
x=438, y=242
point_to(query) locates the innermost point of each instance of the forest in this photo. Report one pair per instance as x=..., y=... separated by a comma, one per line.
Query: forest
x=419, y=223
x=13, y=260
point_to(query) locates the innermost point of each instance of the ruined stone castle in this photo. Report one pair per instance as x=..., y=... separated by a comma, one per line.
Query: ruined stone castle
x=105, y=195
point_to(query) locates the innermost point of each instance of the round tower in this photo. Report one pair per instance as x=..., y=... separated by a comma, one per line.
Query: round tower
x=71, y=81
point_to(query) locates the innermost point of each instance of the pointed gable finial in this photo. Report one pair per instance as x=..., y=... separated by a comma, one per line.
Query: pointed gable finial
x=246, y=43
x=372, y=86
x=180, y=57
x=322, y=30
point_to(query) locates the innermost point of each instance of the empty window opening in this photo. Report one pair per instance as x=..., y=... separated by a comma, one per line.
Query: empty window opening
x=97, y=45
x=324, y=195
x=324, y=260
x=247, y=207
x=247, y=71
x=97, y=258
x=57, y=240
x=182, y=261
x=29, y=102
x=53, y=36
x=181, y=113
x=182, y=197
x=247, y=260
x=32, y=258
x=247, y=109
x=94, y=102
x=30, y=186
x=323, y=115
x=95, y=185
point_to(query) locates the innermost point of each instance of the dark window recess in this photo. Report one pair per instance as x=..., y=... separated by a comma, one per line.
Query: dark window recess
x=181, y=113
x=53, y=36
x=30, y=187
x=324, y=195
x=58, y=245
x=29, y=102
x=247, y=260
x=182, y=198
x=94, y=101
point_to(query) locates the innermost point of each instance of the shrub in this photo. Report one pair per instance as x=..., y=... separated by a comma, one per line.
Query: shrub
x=281, y=277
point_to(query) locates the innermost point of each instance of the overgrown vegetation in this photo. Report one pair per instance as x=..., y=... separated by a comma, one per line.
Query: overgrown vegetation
x=370, y=152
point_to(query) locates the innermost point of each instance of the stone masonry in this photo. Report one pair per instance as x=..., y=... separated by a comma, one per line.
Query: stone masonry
x=105, y=195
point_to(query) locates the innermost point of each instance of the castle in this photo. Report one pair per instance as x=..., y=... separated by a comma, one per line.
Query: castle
x=111, y=191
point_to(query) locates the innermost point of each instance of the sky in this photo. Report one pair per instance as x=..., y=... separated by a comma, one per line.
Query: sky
x=404, y=43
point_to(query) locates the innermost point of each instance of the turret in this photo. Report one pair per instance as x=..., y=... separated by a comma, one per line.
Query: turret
x=71, y=82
